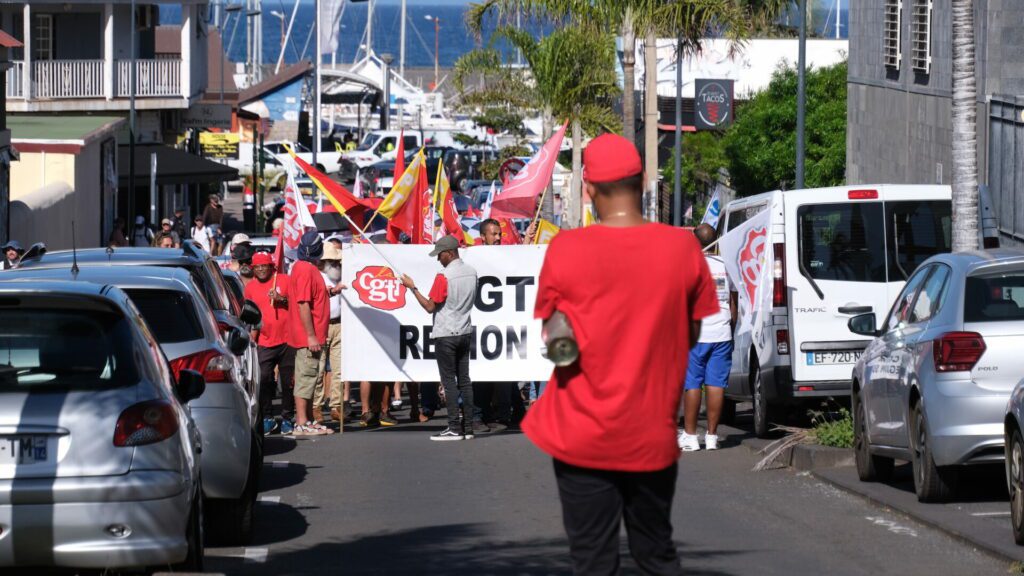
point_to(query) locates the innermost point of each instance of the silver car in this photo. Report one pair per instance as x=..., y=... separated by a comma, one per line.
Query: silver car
x=932, y=387
x=182, y=322
x=99, y=460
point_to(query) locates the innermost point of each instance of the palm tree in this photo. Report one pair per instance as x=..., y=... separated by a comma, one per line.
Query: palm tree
x=965, y=129
x=571, y=76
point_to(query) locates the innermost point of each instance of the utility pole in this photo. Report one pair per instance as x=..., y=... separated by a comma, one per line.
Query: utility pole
x=369, y=28
x=677, y=188
x=131, y=124
x=801, y=95
x=316, y=84
x=437, y=44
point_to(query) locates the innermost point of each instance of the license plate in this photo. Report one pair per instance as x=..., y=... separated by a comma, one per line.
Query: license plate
x=23, y=449
x=833, y=357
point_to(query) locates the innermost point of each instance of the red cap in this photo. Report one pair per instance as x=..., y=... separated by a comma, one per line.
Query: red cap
x=610, y=157
x=262, y=259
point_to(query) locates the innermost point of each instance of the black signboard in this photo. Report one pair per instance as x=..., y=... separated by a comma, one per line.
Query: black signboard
x=712, y=104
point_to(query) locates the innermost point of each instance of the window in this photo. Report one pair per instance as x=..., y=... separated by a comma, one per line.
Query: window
x=917, y=231
x=891, y=34
x=930, y=297
x=921, y=37
x=901, y=308
x=994, y=297
x=170, y=315
x=42, y=41
x=741, y=215
x=65, y=348
x=410, y=142
x=842, y=241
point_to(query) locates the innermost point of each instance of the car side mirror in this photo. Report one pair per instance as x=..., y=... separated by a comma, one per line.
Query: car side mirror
x=863, y=324
x=238, y=341
x=190, y=385
x=251, y=314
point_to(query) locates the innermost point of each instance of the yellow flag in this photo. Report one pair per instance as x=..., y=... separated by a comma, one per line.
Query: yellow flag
x=402, y=188
x=545, y=232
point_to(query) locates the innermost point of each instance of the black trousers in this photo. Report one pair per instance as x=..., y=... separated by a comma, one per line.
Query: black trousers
x=453, y=364
x=596, y=502
x=282, y=357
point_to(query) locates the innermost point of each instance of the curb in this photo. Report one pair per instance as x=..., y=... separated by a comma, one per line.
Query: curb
x=805, y=457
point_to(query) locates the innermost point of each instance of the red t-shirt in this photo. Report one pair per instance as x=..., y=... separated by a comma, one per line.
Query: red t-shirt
x=439, y=291
x=274, y=330
x=307, y=285
x=630, y=294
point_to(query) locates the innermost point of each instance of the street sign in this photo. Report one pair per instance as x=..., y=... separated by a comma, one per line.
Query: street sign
x=203, y=116
x=712, y=104
x=219, y=144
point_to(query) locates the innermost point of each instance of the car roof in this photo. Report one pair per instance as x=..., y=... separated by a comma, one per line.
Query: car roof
x=190, y=253
x=974, y=260
x=154, y=277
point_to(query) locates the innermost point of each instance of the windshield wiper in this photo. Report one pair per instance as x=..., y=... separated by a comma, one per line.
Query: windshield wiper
x=800, y=260
x=896, y=245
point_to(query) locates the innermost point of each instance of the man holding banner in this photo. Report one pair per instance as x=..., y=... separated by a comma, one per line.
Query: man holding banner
x=451, y=302
x=634, y=293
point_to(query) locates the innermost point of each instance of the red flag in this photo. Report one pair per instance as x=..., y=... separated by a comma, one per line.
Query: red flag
x=509, y=233
x=444, y=202
x=412, y=215
x=339, y=197
x=400, y=156
x=518, y=199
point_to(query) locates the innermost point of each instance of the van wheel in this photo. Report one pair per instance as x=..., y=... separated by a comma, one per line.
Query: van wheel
x=728, y=412
x=1015, y=465
x=320, y=167
x=231, y=520
x=932, y=483
x=762, y=413
x=870, y=468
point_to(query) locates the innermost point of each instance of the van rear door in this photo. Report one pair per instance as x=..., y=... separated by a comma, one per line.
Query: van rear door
x=918, y=221
x=836, y=269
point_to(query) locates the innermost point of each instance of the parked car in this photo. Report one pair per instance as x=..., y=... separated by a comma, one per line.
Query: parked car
x=100, y=460
x=326, y=159
x=464, y=165
x=834, y=253
x=932, y=387
x=381, y=175
x=180, y=319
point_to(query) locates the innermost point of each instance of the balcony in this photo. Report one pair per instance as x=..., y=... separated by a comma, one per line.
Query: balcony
x=86, y=79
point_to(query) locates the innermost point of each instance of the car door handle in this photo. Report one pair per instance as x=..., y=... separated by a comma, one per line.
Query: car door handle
x=855, y=309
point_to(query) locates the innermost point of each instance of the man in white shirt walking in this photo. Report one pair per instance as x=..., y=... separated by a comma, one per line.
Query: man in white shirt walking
x=711, y=359
x=202, y=234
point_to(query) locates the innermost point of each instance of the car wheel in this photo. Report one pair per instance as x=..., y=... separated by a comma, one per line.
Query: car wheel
x=194, y=536
x=762, y=414
x=320, y=167
x=728, y=412
x=870, y=468
x=1015, y=465
x=932, y=483
x=231, y=521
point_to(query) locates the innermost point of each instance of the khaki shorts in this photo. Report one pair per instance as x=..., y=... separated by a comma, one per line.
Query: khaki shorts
x=309, y=372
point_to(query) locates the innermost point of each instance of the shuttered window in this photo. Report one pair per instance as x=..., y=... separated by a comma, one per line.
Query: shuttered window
x=891, y=34
x=921, y=37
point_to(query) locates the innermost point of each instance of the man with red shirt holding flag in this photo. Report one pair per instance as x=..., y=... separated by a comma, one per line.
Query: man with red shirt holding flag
x=635, y=319
x=269, y=290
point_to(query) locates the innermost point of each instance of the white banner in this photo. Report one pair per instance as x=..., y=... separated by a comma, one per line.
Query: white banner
x=746, y=251
x=386, y=333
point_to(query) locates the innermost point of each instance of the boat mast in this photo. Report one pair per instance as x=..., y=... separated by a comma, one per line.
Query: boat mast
x=401, y=48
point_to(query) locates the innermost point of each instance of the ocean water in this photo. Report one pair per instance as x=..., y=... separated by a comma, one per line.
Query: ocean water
x=454, y=38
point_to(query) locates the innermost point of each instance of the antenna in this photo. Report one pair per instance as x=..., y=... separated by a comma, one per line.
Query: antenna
x=74, y=251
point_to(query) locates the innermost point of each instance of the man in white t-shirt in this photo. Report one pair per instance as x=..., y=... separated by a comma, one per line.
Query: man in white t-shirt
x=711, y=358
x=202, y=234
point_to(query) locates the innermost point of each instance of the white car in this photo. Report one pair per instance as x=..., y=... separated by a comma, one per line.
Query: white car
x=326, y=159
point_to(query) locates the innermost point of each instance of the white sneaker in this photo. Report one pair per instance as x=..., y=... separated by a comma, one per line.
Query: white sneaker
x=688, y=442
x=711, y=442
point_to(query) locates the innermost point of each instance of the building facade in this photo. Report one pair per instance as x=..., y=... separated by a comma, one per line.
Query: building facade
x=900, y=90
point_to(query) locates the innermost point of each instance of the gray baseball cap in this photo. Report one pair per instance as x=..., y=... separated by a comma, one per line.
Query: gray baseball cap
x=444, y=244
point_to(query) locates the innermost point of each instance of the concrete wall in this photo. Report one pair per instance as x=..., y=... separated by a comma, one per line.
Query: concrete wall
x=39, y=169
x=41, y=216
x=88, y=197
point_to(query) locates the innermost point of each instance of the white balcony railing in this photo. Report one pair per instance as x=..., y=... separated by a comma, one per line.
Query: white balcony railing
x=16, y=80
x=152, y=78
x=67, y=79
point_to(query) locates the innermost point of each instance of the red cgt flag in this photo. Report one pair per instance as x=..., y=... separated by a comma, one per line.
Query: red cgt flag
x=518, y=199
x=413, y=214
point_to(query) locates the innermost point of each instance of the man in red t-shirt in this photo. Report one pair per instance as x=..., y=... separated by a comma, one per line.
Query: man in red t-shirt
x=310, y=317
x=269, y=291
x=634, y=293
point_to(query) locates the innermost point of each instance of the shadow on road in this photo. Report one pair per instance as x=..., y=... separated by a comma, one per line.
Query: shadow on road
x=977, y=483
x=450, y=549
x=274, y=478
x=276, y=446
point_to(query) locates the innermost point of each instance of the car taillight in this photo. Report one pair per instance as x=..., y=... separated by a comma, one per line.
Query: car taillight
x=782, y=342
x=958, y=351
x=214, y=366
x=779, y=275
x=145, y=423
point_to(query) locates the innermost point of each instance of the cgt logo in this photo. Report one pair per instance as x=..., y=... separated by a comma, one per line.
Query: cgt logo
x=378, y=287
x=752, y=261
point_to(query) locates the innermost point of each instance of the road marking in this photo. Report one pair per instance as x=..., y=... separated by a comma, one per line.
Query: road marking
x=270, y=499
x=990, y=513
x=279, y=464
x=892, y=526
x=255, y=555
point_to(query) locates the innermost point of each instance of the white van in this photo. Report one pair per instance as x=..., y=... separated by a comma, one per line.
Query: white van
x=838, y=252
x=376, y=146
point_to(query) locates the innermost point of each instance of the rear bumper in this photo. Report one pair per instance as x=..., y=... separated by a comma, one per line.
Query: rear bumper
x=74, y=534
x=781, y=388
x=131, y=487
x=966, y=429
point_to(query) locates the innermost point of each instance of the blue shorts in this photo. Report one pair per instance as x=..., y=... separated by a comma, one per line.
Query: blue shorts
x=709, y=365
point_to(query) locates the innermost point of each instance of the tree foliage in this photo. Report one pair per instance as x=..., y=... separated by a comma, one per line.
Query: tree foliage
x=760, y=146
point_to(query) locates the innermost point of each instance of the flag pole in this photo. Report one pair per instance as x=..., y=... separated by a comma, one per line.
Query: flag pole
x=540, y=205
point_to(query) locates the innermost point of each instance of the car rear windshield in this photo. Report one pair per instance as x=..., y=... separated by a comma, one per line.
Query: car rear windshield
x=843, y=241
x=994, y=297
x=170, y=314
x=918, y=230
x=64, y=348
